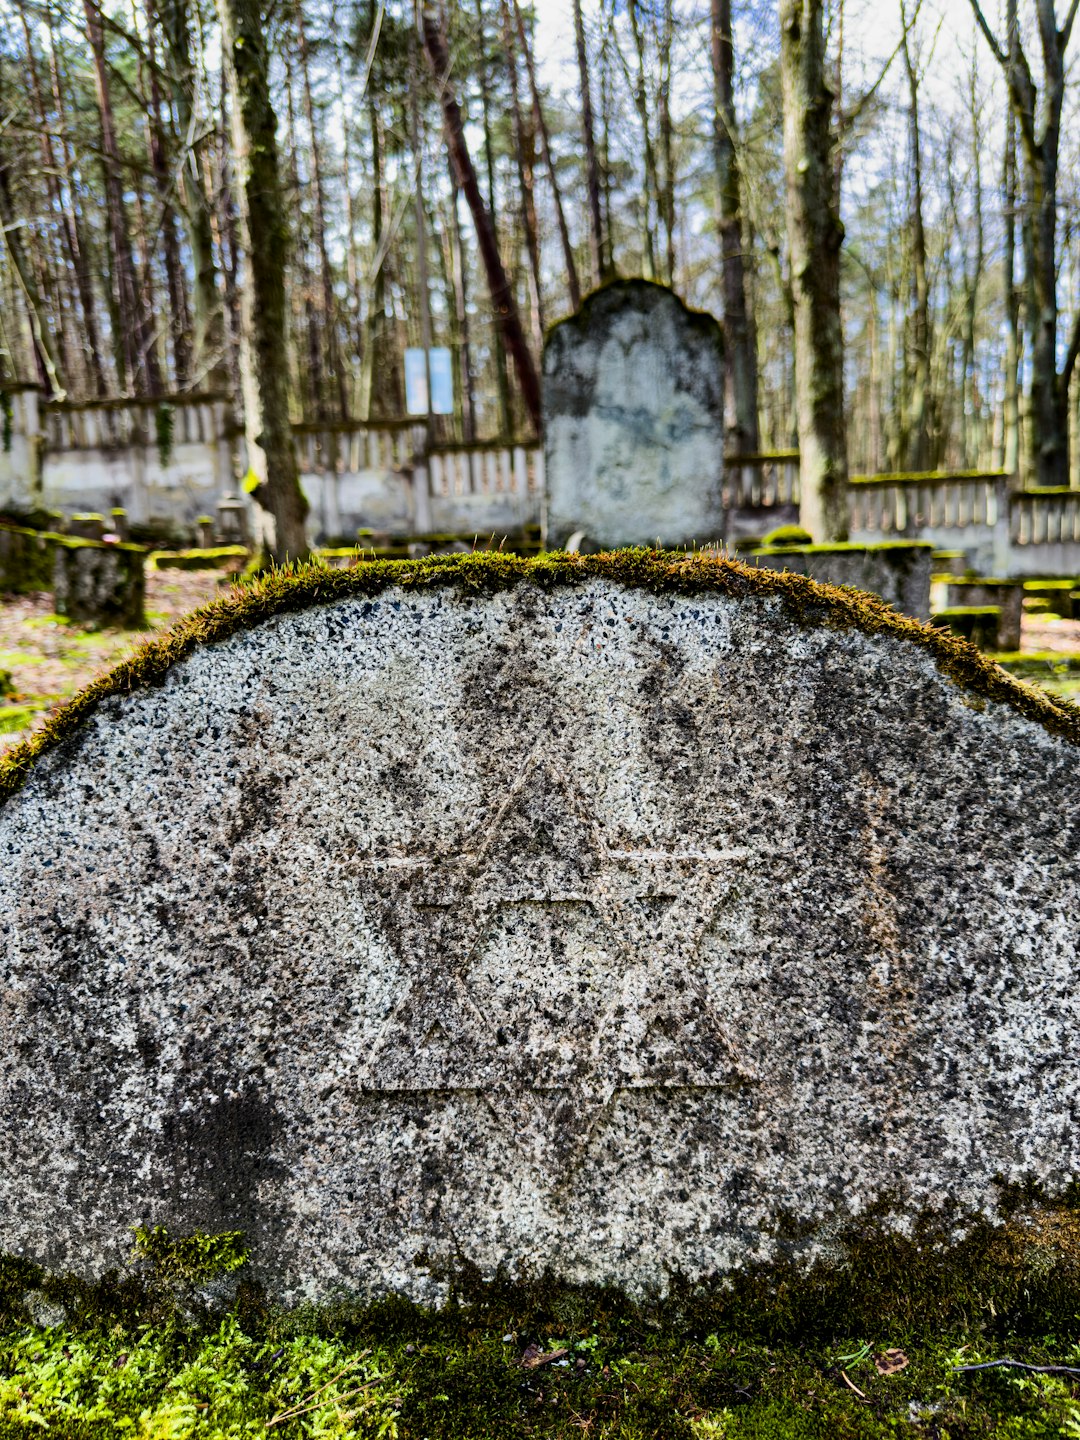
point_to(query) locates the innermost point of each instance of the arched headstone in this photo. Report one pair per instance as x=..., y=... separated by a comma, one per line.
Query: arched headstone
x=634, y=421
x=624, y=917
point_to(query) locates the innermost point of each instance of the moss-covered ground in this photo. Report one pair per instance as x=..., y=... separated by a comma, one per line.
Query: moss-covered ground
x=871, y=1352
x=48, y=660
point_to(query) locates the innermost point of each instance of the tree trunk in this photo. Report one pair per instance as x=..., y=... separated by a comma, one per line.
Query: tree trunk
x=1038, y=122
x=264, y=237
x=461, y=303
x=179, y=319
x=815, y=235
x=136, y=336
x=641, y=104
x=1010, y=459
x=525, y=153
x=502, y=295
x=592, y=169
x=740, y=361
x=666, y=193
x=73, y=226
x=329, y=303
x=46, y=357
x=919, y=454
x=573, y=284
x=208, y=366
x=498, y=347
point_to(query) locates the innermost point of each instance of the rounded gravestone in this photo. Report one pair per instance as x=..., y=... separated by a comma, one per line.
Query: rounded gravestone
x=634, y=421
x=625, y=918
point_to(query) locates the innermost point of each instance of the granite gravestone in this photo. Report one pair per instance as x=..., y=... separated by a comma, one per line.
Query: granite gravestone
x=584, y=925
x=634, y=421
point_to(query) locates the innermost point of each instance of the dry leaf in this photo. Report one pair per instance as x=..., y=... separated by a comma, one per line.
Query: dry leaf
x=890, y=1361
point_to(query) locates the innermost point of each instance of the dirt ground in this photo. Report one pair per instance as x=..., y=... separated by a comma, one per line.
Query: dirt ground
x=44, y=660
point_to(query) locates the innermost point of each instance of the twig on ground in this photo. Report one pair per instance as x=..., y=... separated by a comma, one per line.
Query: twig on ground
x=1020, y=1365
x=852, y=1386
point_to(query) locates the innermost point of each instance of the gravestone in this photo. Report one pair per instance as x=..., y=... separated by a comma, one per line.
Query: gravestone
x=897, y=570
x=629, y=918
x=633, y=408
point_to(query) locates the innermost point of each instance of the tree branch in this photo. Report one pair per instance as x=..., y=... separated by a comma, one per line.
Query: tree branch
x=850, y=116
x=991, y=39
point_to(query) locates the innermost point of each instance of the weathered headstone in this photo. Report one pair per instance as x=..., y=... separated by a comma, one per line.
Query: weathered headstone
x=634, y=421
x=897, y=570
x=631, y=920
x=100, y=584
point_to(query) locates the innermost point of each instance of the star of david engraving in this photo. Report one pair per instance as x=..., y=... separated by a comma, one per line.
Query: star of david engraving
x=548, y=971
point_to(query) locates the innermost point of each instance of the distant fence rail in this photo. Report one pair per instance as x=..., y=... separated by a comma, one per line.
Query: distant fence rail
x=511, y=469
x=191, y=448
x=1044, y=516
x=905, y=504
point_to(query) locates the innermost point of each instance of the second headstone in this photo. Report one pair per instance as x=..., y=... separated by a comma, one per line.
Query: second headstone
x=633, y=421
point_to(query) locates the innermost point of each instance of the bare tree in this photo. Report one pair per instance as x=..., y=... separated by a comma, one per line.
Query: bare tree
x=264, y=238
x=740, y=361
x=1038, y=123
x=815, y=235
x=502, y=294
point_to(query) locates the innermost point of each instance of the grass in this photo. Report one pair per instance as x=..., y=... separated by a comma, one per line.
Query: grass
x=574, y=1368
x=863, y=1349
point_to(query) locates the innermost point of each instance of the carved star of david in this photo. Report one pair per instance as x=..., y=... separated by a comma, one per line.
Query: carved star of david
x=597, y=991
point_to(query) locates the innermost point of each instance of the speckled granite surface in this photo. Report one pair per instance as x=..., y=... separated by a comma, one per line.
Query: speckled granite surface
x=628, y=934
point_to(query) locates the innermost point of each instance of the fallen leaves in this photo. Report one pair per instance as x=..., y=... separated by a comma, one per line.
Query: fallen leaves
x=890, y=1362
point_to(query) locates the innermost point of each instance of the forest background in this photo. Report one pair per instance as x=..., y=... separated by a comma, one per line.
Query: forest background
x=460, y=174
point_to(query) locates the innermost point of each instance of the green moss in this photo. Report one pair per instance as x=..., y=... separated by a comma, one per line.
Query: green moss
x=775, y=1355
x=848, y=547
x=788, y=535
x=928, y=477
x=954, y=612
x=211, y=559
x=290, y=589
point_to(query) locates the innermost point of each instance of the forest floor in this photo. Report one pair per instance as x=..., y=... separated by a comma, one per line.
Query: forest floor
x=579, y=1368
x=44, y=659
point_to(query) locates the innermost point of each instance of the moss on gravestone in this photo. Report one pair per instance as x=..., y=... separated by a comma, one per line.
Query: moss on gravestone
x=295, y=588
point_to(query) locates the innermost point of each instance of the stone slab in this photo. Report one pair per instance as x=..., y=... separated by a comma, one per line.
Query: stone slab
x=634, y=421
x=898, y=571
x=579, y=926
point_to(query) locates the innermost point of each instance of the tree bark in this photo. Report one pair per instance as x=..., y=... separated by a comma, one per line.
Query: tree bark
x=329, y=303
x=1010, y=459
x=208, y=365
x=73, y=225
x=179, y=318
x=264, y=237
x=498, y=347
x=592, y=169
x=502, y=295
x=525, y=153
x=919, y=454
x=46, y=357
x=815, y=235
x=740, y=360
x=572, y=282
x=136, y=337
x=641, y=104
x=1038, y=122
